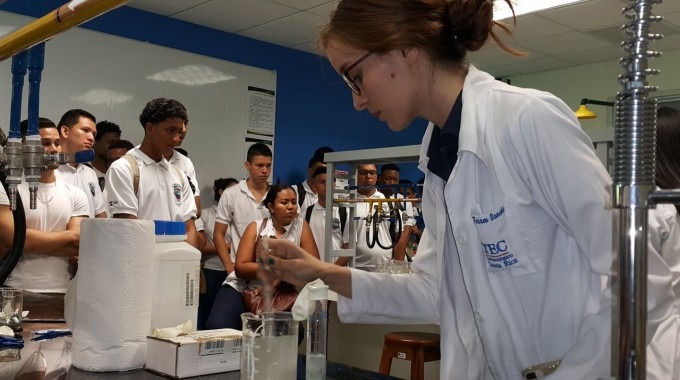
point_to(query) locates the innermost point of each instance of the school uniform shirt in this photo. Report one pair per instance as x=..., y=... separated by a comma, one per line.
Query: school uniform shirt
x=317, y=223
x=84, y=177
x=207, y=225
x=4, y=199
x=185, y=164
x=237, y=208
x=101, y=178
x=56, y=204
x=161, y=195
x=518, y=238
x=366, y=257
x=310, y=196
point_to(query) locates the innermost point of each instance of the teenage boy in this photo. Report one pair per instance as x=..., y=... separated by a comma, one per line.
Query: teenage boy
x=143, y=184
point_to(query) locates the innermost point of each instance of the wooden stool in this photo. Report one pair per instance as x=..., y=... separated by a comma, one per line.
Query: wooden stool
x=416, y=347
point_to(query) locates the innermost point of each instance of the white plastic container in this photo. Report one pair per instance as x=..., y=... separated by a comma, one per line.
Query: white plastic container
x=176, y=273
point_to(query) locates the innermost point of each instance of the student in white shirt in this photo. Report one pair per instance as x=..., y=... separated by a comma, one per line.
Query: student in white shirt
x=6, y=222
x=107, y=132
x=238, y=207
x=315, y=216
x=163, y=191
x=52, y=228
x=305, y=194
x=389, y=175
x=77, y=129
x=180, y=158
x=213, y=269
x=369, y=253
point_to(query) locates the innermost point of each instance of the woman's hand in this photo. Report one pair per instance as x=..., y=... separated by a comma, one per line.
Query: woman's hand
x=285, y=261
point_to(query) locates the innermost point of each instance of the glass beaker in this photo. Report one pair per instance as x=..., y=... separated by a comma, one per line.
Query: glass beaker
x=11, y=307
x=270, y=346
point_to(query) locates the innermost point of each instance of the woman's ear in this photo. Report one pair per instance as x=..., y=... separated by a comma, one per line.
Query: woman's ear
x=409, y=54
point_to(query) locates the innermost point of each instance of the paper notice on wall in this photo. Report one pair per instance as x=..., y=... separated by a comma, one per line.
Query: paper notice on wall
x=261, y=111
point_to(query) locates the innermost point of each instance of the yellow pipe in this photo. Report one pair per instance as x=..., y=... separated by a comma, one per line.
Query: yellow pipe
x=370, y=201
x=61, y=19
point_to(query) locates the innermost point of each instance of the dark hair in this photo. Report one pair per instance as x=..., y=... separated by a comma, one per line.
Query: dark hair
x=43, y=123
x=319, y=170
x=182, y=151
x=258, y=149
x=221, y=184
x=445, y=29
x=318, y=158
x=273, y=192
x=121, y=144
x=390, y=167
x=104, y=127
x=161, y=109
x=667, y=151
x=71, y=117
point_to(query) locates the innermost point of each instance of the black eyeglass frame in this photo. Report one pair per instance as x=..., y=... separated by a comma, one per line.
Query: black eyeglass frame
x=348, y=80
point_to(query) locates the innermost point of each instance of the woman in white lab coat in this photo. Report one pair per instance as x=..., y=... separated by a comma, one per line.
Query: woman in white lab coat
x=517, y=235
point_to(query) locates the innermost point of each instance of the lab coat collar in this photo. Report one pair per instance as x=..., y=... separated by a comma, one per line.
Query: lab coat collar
x=476, y=92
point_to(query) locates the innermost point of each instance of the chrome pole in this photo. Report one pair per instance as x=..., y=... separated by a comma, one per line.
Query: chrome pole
x=634, y=179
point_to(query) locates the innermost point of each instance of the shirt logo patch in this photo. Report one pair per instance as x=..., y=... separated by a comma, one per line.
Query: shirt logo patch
x=91, y=188
x=336, y=223
x=177, y=190
x=498, y=255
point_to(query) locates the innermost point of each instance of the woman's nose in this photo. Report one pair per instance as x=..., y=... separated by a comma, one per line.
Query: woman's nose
x=359, y=102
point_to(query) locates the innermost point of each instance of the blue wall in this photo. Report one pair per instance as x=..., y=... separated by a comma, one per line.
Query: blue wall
x=313, y=108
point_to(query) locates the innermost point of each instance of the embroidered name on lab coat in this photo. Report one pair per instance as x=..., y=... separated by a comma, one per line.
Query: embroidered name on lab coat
x=495, y=246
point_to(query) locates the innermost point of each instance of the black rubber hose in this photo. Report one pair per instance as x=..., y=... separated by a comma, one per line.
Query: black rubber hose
x=14, y=254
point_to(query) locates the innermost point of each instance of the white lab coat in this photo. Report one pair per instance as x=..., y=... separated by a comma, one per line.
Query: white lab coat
x=515, y=246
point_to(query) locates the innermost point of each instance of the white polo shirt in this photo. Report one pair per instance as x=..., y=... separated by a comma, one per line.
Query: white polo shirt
x=57, y=203
x=310, y=196
x=187, y=166
x=84, y=177
x=4, y=199
x=317, y=223
x=206, y=223
x=161, y=195
x=238, y=208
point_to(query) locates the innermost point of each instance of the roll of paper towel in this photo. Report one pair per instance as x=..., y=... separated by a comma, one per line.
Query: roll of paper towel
x=108, y=304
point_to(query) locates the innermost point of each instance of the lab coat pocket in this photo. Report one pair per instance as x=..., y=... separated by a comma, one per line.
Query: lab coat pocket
x=504, y=249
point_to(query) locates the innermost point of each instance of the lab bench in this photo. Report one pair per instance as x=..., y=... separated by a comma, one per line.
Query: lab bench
x=46, y=312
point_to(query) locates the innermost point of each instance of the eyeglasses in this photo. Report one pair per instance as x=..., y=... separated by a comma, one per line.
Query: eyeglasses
x=368, y=172
x=348, y=80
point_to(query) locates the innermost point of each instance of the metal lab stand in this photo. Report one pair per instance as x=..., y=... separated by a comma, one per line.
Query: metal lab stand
x=399, y=154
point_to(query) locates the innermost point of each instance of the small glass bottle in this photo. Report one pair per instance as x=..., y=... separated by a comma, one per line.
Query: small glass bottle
x=316, y=332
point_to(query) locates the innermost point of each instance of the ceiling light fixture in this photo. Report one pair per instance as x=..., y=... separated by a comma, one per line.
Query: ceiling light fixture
x=502, y=11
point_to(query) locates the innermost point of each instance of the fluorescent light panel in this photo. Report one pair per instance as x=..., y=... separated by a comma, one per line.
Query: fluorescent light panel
x=502, y=11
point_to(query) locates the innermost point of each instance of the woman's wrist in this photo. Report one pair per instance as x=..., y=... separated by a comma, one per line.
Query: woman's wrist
x=338, y=279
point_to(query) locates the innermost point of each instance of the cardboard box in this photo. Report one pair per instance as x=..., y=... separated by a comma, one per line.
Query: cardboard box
x=199, y=353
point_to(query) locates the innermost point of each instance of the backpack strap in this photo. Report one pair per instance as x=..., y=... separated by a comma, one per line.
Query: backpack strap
x=135, y=171
x=343, y=218
x=302, y=193
x=308, y=213
x=182, y=177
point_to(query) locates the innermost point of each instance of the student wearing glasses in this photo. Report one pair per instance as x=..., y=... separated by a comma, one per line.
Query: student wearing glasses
x=369, y=253
x=519, y=234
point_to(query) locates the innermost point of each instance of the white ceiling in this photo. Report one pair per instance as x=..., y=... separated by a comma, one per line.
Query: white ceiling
x=571, y=35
